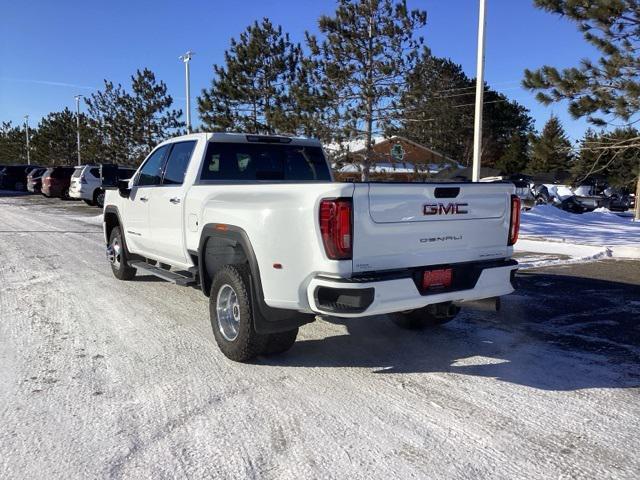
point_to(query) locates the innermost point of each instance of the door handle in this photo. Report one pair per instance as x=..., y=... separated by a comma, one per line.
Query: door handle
x=143, y=199
x=174, y=200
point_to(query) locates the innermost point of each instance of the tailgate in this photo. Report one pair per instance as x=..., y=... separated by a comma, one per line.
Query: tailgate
x=412, y=225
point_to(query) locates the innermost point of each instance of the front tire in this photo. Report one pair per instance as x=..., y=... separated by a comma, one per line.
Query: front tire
x=119, y=256
x=426, y=317
x=231, y=315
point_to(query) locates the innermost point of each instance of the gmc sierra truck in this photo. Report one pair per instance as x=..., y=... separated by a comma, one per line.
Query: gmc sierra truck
x=258, y=224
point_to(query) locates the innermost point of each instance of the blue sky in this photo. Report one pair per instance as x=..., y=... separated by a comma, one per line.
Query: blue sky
x=51, y=51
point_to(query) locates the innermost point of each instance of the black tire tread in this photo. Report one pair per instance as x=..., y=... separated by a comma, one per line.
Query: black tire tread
x=249, y=344
x=125, y=272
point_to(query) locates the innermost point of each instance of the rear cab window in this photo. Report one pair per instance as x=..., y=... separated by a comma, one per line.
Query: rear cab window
x=264, y=161
x=177, y=163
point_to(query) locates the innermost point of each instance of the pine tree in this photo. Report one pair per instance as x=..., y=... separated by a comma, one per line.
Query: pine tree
x=153, y=119
x=605, y=154
x=609, y=88
x=368, y=48
x=112, y=122
x=54, y=142
x=250, y=92
x=129, y=125
x=437, y=111
x=515, y=158
x=551, y=150
x=12, y=144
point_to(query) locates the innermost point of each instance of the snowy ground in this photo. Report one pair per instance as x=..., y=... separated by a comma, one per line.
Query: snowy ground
x=108, y=379
x=576, y=238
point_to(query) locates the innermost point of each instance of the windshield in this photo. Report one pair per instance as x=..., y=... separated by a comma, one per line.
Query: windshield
x=258, y=161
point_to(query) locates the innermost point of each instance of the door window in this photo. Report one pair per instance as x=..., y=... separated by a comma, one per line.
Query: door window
x=177, y=163
x=152, y=169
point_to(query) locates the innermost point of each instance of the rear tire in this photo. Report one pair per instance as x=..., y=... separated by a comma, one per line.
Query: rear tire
x=426, y=317
x=231, y=315
x=65, y=194
x=280, y=342
x=119, y=256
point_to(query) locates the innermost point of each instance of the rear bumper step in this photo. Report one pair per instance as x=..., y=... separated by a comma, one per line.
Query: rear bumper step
x=178, y=279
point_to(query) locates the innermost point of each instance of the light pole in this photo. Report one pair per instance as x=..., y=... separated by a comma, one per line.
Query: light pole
x=26, y=123
x=186, y=58
x=78, y=97
x=477, y=123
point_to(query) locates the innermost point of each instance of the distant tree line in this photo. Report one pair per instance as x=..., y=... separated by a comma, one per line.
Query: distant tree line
x=367, y=73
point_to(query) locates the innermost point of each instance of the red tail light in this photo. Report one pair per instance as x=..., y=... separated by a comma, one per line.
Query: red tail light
x=514, y=225
x=336, y=227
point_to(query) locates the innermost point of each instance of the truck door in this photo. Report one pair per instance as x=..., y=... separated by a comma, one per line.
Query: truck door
x=136, y=207
x=166, y=206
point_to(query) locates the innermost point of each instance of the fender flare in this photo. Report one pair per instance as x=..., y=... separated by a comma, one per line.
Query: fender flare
x=266, y=319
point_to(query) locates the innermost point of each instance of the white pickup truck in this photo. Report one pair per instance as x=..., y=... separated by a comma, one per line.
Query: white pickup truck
x=257, y=222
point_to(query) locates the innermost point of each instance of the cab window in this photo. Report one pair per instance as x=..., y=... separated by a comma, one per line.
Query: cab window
x=178, y=162
x=151, y=172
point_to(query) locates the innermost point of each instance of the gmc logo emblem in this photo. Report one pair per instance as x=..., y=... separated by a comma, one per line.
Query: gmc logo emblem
x=442, y=209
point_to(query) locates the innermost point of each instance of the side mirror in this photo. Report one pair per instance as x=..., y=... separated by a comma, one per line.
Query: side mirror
x=111, y=181
x=123, y=188
x=109, y=176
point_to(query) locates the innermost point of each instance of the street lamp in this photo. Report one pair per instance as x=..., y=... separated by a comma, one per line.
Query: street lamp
x=78, y=97
x=26, y=123
x=186, y=58
x=477, y=124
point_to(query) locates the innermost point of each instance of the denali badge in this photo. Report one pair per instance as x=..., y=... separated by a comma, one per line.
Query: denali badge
x=442, y=209
x=446, y=238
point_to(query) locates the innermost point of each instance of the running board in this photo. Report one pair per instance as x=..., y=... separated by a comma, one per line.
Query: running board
x=172, y=277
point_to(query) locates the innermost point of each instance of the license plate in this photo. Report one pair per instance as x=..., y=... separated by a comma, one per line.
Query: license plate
x=436, y=279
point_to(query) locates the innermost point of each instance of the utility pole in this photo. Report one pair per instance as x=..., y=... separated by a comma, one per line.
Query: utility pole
x=477, y=124
x=78, y=97
x=26, y=123
x=186, y=58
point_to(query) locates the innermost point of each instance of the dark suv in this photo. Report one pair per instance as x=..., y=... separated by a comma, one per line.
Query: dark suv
x=56, y=182
x=14, y=177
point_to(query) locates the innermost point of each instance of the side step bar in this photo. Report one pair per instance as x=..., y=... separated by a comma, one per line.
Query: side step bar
x=172, y=277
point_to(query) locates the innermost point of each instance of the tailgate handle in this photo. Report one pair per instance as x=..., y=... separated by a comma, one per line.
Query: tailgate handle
x=446, y=192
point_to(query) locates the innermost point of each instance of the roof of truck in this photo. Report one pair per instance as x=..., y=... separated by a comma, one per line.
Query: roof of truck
x=247, y=138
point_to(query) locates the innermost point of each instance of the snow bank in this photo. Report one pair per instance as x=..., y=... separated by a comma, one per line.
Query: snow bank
x=547, y=229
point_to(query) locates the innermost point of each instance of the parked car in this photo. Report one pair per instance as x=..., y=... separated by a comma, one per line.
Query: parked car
x=14, y=177
x=34, y=180
x=257, y=222
x=523, y=188
x=86, y=183
x=56, y=182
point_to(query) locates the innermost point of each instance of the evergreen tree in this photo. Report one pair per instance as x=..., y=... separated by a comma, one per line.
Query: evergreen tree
x=12, y=144
x=605, y=90
x=55, y=140
x=602, y=90
x=515, y=158
x=607, y=154
x=551, y=150
x=437, y=111
x=112, y=122
x=250, y=92
x=129, y=125
x=368, y=48
x=153, y=119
